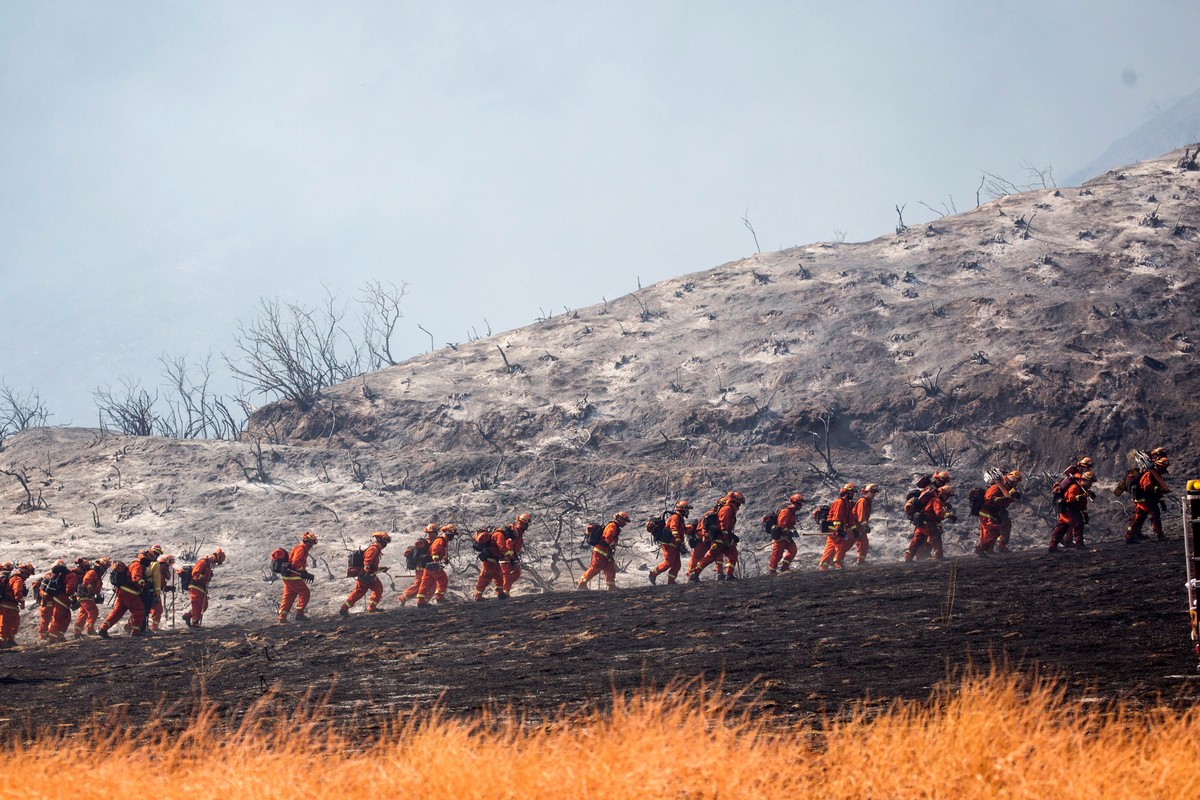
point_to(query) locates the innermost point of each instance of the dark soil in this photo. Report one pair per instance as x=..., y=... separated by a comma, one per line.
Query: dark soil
x=1110, y=621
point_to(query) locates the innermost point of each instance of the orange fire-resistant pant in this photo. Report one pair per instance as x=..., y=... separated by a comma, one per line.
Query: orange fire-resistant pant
x=1069, y=529
x=295, y=590
x=489, y=573
x=511, y=572
x=198, y=597
x=411, y=591
x=994, y=529
x=698, y=554
x=126, y=600
x=925, y=537
x=782, y=553
x=602, y=563
x=55, y=617
x=862, y=544
x=156, y=611
x=834, y=552
x=88, y=615
x=1142, y=512
x=433, y=585
x=361, y=587
x=670, y=563
x=720, y=550
x=10, y=622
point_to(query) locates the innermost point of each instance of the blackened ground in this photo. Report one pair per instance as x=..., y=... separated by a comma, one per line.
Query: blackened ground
x=1110, y=621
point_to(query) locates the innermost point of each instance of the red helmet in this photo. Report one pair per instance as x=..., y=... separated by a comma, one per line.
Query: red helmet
x=683, y=506
x=524, y=518
x=1015, y=476
x=27, y=569
x=309, y=538
x=218, y=556
x=1088, y=476
x=83, y=563
x=870, y=488
x=101, y=563
x=941, y=477
x=849, y=488
x=796, y=499
x=1085, y=462
x=450, y=530
x=383, y=537
x=621, y=517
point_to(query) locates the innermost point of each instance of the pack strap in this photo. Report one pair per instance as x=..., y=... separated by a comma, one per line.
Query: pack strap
x=133, y=592
x=198, y=588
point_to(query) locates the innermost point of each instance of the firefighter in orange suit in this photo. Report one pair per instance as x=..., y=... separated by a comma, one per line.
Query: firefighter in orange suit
x=421, y=549
x=1148, y=500
x=839, y=523
x=995, y=523
x=367, y=579
x=58, y=586
x=90, y=594
x=296, y=579
x=862, y=521
x=700, y=541
x=1072, y=515
x=12, y=600
x=928, y=534
x=723, y=550
x=604, y=556
x=677, y=525
x=127, y=597
x=492, y=547
x=784, y=548
x=198, y=580
x=434, y=580
x=510, y=568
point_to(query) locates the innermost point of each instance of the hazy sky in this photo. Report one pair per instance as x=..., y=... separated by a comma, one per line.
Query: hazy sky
x=163, y=165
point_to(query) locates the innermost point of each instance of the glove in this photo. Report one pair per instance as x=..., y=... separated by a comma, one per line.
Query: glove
x=168, y=588
x=382, y=569
x=307, y=576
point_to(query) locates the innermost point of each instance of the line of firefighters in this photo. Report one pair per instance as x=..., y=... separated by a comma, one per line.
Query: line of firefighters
x=140, y=586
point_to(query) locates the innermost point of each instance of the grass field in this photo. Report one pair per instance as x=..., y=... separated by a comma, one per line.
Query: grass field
x=983, y=737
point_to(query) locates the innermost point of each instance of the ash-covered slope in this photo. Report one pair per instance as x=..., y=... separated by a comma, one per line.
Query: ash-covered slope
x=1029, y=330
x=1026, y=332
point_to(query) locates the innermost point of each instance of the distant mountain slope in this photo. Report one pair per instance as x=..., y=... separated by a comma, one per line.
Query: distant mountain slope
x=1175, y=127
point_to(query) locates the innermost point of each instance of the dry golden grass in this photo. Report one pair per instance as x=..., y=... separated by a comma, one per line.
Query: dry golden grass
x=986, y=737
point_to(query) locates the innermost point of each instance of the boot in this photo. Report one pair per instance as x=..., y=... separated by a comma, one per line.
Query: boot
x=653, y=577
x=342, y=612
x=301, y=616
x=693, y=577
x=102, y=633
x=187, y=619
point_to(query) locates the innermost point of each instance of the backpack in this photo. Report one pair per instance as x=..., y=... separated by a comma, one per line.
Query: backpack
x=118, y=574
x=185, y=576
x=1132, y=483
x=416, y=556
x=915, y=504
x=354, y=563
x=975, y=499
x=6, y=593
x=768, y=523
x=820, y=515
x=595, y=534
x=924, y=481
x=657, y=528
x=481, y=542
x=710, y=523
x=279, y=561
x=55, y=580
